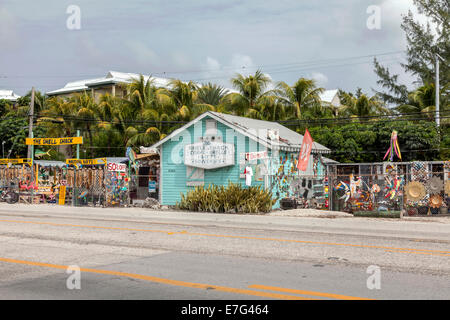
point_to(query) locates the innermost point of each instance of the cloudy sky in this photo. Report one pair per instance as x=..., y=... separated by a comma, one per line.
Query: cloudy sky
x=200, y=40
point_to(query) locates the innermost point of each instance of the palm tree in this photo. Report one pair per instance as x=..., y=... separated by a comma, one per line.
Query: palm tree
x=211, y=94
x=360, y=105
x=303, y=95
x=87, y=113
x=422, y=102
x=60, y=118
x=251, y=89
x=185, y=99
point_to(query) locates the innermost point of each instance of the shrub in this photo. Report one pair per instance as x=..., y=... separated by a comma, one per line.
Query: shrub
x=232, y=198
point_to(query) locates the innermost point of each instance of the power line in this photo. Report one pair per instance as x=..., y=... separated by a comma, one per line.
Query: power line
x=284, y=122
x=224, y=68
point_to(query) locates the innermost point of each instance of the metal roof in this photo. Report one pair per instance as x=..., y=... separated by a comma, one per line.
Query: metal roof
x=8, y=95
x=117, y=159
x=50, y=163
x=328, y=95
x=112, y=77
x=289, y=139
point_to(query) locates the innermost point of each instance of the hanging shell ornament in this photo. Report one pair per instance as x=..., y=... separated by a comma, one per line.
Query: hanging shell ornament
x=435, y=201
x=415, y=191
x=435, y=185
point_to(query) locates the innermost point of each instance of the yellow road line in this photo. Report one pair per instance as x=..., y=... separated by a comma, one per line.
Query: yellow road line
x=409, y=250
x=163, y=280
x=308, y=293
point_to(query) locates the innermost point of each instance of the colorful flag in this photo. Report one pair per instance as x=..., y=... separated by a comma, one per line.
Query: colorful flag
x=394, y=147
x=305, y=151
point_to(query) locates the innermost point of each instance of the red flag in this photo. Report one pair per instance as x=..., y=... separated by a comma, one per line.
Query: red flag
x=305, y=151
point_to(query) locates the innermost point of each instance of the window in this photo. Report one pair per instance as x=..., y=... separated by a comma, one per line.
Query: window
x=211, y=127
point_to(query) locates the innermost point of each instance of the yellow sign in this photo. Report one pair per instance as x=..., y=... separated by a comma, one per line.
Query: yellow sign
x=16, y=161
x=62, y=195
x=86, y=162
x=53, y=141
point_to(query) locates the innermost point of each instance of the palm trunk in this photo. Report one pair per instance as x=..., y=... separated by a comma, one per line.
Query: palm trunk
x=90, y=141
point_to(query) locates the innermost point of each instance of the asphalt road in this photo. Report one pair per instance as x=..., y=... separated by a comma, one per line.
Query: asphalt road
x=141, y=254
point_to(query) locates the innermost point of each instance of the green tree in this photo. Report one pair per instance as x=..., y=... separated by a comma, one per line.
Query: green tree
x=368, y=142
x=251, y=91
x=211, y=94
x=302, y=96
x=60, y=118
x=423, y=46
x=360, y=105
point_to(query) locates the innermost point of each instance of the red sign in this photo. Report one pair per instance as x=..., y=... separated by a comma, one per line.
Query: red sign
x=305, y=151
x=250, y=156
x=121, y=167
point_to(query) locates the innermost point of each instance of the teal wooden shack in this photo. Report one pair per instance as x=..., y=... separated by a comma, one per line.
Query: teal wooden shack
x=215, y=148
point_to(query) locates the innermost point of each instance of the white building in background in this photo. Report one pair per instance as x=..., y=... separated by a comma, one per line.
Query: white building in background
x=115, y=83
x=331, y=97
x=9, y=95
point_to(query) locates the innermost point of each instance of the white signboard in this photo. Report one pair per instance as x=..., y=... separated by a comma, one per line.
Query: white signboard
x=120, y=167
x=209, y=155
x=251, y=156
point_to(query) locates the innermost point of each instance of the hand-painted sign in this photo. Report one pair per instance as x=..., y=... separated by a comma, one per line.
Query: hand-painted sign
x=86, y=162
x=118, y=167
x=16, y=161
x=53, y=141
x=305, y=151
x=251, y=156
x=209, y=155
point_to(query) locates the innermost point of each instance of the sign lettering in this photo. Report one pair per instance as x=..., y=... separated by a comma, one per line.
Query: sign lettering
x=251, y=156
x=118, y=167
x=209, y=155
x=16, y=161
x=86, y=162
x=53, y=141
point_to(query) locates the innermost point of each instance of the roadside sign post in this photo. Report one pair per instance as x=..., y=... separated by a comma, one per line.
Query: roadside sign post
x=75, y=193
x=32, y=168
x=55, y=142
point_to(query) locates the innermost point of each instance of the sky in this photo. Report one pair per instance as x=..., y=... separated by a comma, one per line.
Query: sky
x=201, y=40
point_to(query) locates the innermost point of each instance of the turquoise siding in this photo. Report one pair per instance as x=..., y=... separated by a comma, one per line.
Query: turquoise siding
x=173, y=171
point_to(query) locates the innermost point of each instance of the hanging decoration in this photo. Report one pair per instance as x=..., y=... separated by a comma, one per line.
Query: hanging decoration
x=376, y=188
x=344, y=187
x=394, y=148
x=131, y=155
x=435, y=185
x=392, y=187
x=419, y=171
x=447, y=187
x=305, y=151
x=415, y=191
x=435, y=201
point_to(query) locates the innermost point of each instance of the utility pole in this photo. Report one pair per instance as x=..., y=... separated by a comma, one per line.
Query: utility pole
x=437, y=91
x=30, y=123
x=30, y=153
x=75, y=191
